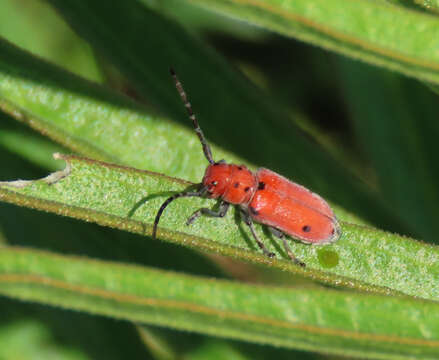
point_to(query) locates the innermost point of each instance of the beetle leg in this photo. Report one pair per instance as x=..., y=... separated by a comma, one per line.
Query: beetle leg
x=248, y=220
x=279, y=234
x=208, y=212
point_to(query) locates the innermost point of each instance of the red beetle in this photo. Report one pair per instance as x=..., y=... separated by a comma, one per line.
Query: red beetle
x=264, y=196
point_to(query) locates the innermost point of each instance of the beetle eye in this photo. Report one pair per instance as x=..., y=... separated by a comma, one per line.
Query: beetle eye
x=214, y=183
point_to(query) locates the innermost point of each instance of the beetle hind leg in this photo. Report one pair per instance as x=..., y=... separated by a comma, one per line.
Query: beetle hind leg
x=279, y=234
x=208, y=212
x=248, y=220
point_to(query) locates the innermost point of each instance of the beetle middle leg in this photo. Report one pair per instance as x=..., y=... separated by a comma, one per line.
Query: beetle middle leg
x=248, y=220
x=279, y=234
x=224, y=206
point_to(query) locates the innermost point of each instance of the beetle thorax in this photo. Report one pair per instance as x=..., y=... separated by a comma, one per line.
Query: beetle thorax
x=234, y=184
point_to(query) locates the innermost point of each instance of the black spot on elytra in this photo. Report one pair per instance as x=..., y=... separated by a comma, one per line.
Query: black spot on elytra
x=239, y=167
x=261, y=185
x=332, y=231
x=216, y=164
x=247, y=189
x=236, y=185
x=253, y=210
x=306, y=228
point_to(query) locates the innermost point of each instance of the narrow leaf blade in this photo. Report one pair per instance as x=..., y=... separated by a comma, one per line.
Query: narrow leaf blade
x=128, y=199
x=321, y=320
x=372, y=31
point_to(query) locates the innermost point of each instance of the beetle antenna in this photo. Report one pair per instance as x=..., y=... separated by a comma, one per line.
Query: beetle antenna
x=188, y=106
x=200, y=192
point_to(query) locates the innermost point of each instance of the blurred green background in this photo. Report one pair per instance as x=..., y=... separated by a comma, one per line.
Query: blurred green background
x=380, y=126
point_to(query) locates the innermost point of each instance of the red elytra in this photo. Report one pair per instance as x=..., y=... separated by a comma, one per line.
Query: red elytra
x=266, y=197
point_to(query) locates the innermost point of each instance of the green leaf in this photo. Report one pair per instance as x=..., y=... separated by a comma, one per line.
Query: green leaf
x=328, y=321
x=128, y=199
x=216, y=350
x=157, y=346
x=38, y=330
x=35, y=26
x=434, y=88
x=23, y=339
x=30, y=146
x=381, y=34
x=18, y=225
x=397, y=117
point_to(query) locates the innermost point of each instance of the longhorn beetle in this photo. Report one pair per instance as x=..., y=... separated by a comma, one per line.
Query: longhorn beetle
x=285, y=207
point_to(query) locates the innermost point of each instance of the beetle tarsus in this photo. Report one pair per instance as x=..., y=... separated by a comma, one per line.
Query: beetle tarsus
x=279, y=234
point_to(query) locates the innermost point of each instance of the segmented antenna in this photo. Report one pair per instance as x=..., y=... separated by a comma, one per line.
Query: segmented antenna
x=187, y=104
x=201, y=192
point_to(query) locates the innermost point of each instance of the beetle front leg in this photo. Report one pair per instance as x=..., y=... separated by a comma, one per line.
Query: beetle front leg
x=208, y=212
x=249, y=221
x=279, y=234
